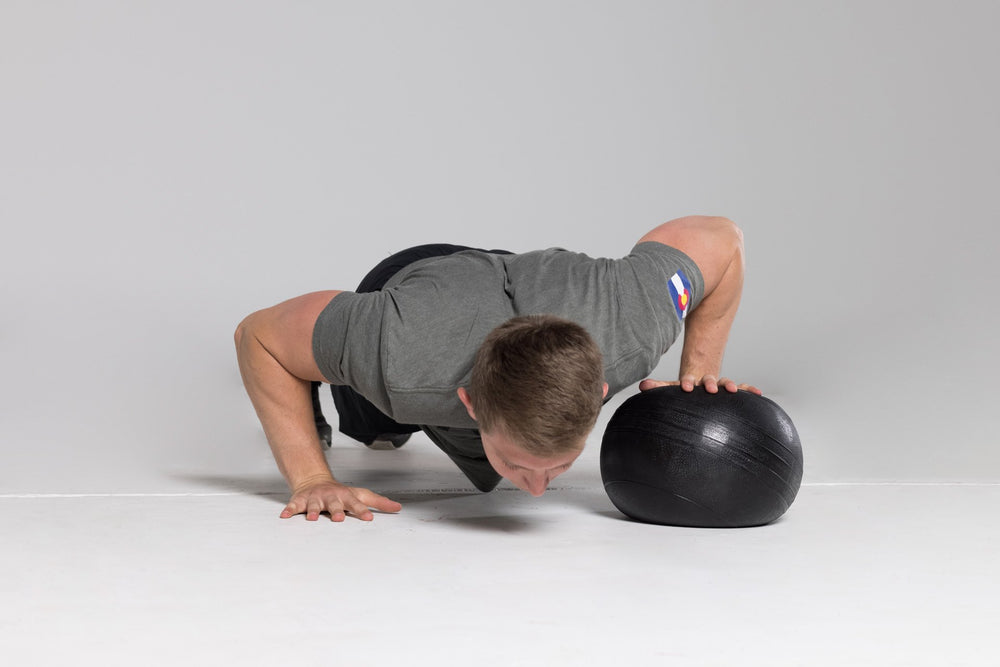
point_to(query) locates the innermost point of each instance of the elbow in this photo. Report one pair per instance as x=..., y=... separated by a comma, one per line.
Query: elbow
x=239, y=333
x=727, y=229
x=736, y=232
x=727, y=255
x=724, y=234
x=243, y=329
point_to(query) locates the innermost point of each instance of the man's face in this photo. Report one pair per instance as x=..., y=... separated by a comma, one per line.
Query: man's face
x=528, y=472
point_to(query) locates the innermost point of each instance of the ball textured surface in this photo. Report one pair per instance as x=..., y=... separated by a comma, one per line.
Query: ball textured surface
x=725, y=460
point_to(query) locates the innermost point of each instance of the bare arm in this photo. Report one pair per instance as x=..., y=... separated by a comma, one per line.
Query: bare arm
x=716, y=246
x=274, y=350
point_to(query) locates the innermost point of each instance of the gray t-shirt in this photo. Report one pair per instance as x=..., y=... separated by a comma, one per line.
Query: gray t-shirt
x=408, y=347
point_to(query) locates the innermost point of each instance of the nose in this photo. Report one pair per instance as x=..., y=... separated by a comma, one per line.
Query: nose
x=535, y=483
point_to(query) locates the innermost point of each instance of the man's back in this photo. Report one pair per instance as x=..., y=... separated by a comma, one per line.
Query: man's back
x=408, y=347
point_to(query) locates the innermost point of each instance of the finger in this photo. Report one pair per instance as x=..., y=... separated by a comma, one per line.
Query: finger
x=728, y=384
x=647, y=384
x=710, y=384
x=688, y=383
x=313, y=508
x=334, y=509
x=291, y=509
x=381, y=503
x=359, y=509
x=751, y=389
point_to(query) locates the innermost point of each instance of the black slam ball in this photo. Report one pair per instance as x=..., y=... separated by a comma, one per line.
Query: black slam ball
x=697, y=459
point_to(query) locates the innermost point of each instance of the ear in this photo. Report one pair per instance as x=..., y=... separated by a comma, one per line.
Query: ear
x=605, y=390
x=467, y=402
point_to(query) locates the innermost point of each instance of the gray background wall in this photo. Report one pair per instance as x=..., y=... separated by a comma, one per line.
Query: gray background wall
x=166, y=168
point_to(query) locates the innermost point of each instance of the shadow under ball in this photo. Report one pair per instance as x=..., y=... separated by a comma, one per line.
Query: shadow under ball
x=702, y=460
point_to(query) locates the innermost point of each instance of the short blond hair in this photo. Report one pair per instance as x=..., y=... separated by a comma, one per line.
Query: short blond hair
x=539, y=379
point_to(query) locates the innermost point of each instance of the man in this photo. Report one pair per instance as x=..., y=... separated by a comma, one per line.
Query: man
x=502, y=359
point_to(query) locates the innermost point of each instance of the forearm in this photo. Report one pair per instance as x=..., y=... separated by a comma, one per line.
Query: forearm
x=707, y=327
x=284, y=406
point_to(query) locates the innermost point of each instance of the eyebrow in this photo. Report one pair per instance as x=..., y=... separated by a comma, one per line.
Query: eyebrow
x=517, y=467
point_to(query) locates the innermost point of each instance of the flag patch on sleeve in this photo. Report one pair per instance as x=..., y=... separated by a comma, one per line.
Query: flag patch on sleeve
x=680, y=293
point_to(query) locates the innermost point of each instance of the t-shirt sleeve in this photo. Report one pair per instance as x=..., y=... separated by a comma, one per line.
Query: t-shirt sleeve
x=670, y=281
x=355, y=359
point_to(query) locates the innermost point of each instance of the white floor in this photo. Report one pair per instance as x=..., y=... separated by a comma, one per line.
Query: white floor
x=852, y=575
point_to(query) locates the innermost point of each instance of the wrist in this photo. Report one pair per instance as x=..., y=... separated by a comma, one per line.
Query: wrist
x=311, y=480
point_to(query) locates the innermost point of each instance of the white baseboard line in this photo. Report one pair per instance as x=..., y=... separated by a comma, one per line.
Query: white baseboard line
x=223, y=494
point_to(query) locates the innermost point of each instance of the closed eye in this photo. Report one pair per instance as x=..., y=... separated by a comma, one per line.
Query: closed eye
x=511, y=466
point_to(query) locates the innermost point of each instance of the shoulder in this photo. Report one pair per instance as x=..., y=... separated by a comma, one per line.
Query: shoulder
x=286, y=331
x=711, y=243
x=692, y=231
